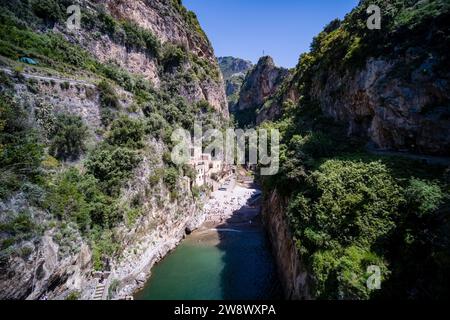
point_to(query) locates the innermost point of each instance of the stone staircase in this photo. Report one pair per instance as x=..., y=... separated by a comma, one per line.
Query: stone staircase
x=99, y=291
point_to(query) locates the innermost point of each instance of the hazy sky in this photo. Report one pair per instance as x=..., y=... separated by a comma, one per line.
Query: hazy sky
x=280, y=28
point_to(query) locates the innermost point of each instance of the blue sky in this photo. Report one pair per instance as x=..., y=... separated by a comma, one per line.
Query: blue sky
x=280, y=28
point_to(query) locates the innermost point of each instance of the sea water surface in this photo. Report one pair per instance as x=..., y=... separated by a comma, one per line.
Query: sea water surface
x=216, y=265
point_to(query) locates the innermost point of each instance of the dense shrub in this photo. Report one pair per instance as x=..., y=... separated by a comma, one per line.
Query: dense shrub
x=347, y=202
x=155, y=125
x=69, y=135
x=171, y=178
x=49, y=10
x=130, y=82
x=51, y=49
x=342, y=273
x=17, y=228
x=73, y=296
x=21, y=150
x=347, y=208
x=5, y=81
x=140, y=38
x=107, y=23
x=66, y=199
x=109, y=102
x=19, y=225
x=156, y=177
x=112, y=166
x=423, y=197
x=76, y=197
x=173, y=56
x=189, y=171
x=126, y=132
x=314, y=144
x=104, y=246
x=108, y=97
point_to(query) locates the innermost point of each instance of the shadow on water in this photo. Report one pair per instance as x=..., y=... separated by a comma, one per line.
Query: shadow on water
x=249, y=270
x=229, y=262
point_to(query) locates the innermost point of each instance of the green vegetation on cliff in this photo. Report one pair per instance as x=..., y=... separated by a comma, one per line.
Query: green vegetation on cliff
x=349, y=210
x=71, y=176
x=405, y=26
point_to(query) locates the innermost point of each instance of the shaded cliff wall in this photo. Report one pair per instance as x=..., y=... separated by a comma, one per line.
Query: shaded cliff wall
x=292, y=272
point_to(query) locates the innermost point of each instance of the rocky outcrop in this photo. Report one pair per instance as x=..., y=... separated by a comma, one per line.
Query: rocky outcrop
x=168, y=20
x=404, y=112
x=173, y=23
x=390, y=88
x=260, y=83
x=47, y=266
x=397, y=104
x=292, y=272
x=234, y=71
x=256, y=91
x=169, y=23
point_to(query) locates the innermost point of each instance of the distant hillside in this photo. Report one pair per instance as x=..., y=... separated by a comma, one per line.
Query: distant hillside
x=231, y=66
x=234, y=71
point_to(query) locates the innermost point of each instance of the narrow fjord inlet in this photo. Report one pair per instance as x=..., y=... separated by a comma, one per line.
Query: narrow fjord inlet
x=233, y=150
x=221, y=261
x=216, y=266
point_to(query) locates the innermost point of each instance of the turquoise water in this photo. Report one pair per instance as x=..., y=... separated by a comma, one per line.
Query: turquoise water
x=216, y=266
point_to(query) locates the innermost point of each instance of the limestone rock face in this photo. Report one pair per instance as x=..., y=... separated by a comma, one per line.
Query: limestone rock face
x=165, y=20
x=170, y=24
x=234, y=71
x=59, y=261
x=400, y=104
x=294, y=277
x=260, y=83
x=404, y=112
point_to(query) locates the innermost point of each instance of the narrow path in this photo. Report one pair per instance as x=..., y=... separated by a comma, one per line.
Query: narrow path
x=47, y=78
x=433, y=160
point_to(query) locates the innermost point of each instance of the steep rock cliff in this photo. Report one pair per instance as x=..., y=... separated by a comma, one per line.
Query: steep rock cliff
x=234, y=71
x=359, y=87
x=292, y=272
x=147, y=63
x=408, y=112
x=259, y=84
x=389, y=86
